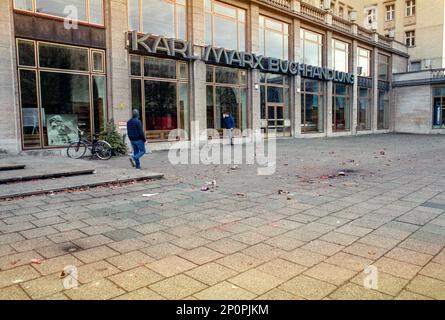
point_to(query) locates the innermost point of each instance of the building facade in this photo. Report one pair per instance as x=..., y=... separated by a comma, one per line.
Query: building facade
x=284, y=67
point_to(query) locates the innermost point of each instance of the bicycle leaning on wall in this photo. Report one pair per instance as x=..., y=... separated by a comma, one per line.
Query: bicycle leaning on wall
x=99, y=148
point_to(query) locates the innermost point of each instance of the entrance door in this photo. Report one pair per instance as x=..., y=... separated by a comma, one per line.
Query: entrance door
x=275, y=119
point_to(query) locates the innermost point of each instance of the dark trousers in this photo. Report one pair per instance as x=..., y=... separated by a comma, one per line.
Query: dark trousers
x=138, y=151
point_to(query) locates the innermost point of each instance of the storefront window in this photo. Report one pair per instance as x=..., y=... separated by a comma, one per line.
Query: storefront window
x=364, y=109
x=311, y=47
x=227, y=93
x=340, y=55
x=88, y=11
x=439, y=108
x=161, y=95
x=225, y=26
x=364, y=62
x=312, y=106
x=274, y=104
x=71, y=95
x=341, y=108
x=383, y=67
x=383, y=110
x=160, y=17
x=274, y=38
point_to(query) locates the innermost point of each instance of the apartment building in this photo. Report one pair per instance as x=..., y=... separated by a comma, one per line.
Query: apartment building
x=281, y=66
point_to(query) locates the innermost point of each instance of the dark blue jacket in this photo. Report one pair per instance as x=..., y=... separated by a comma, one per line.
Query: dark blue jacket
x=229, y=122
x=134, y=130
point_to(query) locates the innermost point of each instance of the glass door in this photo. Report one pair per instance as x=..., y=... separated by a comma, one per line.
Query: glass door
x=275, y=120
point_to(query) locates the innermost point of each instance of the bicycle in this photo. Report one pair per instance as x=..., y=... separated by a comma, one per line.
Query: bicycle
x=99, y=148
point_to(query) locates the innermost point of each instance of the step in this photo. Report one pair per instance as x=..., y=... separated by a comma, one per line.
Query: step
x=11, y=166
x=14, y=177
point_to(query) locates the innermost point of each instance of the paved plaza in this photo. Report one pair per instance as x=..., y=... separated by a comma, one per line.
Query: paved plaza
x=333, y=208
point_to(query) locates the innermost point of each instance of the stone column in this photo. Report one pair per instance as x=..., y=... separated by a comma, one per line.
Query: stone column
x=354, y=96
x=10, y=137
x=295, y=83
x=375, y=90
x=198, y=106
x=253, y=44
x=119, y=93
x=329, y=85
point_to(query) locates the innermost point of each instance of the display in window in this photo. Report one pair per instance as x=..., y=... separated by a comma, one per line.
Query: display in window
x=62, y=129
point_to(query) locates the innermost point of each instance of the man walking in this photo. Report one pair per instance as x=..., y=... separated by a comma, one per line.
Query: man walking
x=229, y=123
x=137, y=139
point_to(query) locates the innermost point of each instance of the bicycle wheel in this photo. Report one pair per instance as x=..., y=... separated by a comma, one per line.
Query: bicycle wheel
x=103, y=150
x=76, y=150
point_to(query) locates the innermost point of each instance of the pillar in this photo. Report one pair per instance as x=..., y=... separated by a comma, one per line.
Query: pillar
x=375, y=89
x=10, y=137
x=329, y=85
x=354, y=96
x=295, y=83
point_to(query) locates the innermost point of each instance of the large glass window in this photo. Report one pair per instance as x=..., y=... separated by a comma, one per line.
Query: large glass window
x=383, y=110
x=341, y=107
x=364, y=114
x=160, y=17
x=340, y=55
x=383, y=67
x=160, y=92
x=225, y=26
x=364, y=62
x=226, y=92
x=274, y=104
x=312, y=106
x=72, y=93
x=439, y=108
x=311, y=47
x=88, y=11
x=274, y=38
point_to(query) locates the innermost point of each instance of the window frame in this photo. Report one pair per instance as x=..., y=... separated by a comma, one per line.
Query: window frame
x=319, y=43
x=284, y=35
x=213, y=13
x=369, y=58
x=347, y=51
x=37, y=69
x=410, y=8
x=321, y=97
x=390, y=10
x=410, y=38
x=62, y=18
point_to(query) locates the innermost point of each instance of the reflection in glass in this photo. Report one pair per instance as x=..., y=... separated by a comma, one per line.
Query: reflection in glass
x=29, y=107
x=96, y=11
x=383, y=110
x=99, y=103
x=364, y=109
x=57, y=7
x=341, y=108
x=227, y=101
x=311, y=106
x=311, y=47
x=225, y=33
x=159, y=68
x=160, y=105
x=26, y=53
x=23, y=4
x=133, y=15
x=63, y=57
x=135, y=65
x=65, y=106
x=136, y=96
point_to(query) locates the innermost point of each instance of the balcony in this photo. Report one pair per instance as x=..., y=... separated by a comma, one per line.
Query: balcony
x=285, y=4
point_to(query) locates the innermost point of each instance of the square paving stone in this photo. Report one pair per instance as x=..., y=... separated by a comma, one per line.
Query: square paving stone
x=351, y=291
x=365, y=251
x=434, y=270
x=18, y=259
x=13, y=293
x=177, y=287
x=277, y=294
x=44, y=286
x=226, y=246
x=397, y=268
x=171, y=266
x=17, y=275
x=407, y=295
x=239, y=262
x=102, y=289
x=162, y=250
x=96, y=271
x=130, y=260
x=256, y=281
x=428, y=287
x=282, y=269
x=200, y=255
x=409, y=256
x=135, y=278
x=307, y=288
x=225, y=291
x=122, y=234
x=386, y=283
x=93, y=241
x=140, y=294
x=304, y=257
x=211, y=273
x=284, y=242
x=323, y=247
x=57, y=264
x=330, y=273
x=95, y=254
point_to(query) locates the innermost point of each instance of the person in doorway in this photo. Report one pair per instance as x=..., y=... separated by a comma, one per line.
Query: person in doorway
x=137, y=139
x=229, y=123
